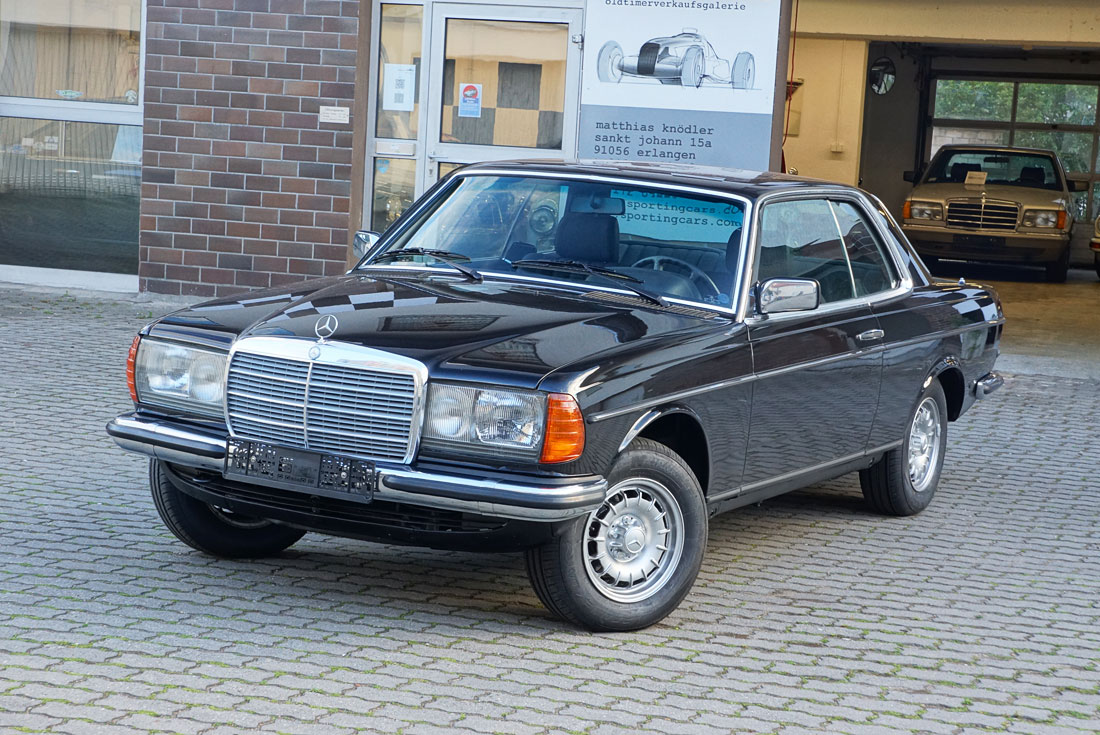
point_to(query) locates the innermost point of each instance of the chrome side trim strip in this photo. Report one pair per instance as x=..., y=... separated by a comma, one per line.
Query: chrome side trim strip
x=680, y=395
x=759, y=484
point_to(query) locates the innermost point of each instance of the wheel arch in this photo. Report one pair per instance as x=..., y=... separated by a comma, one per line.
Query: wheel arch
x=949, y=372
x=679, y=429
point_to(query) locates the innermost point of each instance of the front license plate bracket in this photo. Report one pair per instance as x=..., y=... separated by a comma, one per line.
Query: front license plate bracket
x=296, y=469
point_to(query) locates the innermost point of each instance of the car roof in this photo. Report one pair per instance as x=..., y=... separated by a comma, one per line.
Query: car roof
x=750, y=184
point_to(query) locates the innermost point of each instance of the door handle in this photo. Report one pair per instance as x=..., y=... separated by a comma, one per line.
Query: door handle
x=870, y=335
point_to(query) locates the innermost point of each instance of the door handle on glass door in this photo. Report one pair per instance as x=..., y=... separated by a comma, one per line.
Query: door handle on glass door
x=870, y=335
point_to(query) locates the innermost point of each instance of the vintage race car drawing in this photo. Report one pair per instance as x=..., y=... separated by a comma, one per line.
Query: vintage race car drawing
x=687, y=59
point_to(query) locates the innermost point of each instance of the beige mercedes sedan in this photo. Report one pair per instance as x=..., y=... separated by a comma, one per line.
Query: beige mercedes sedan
x=992, y=204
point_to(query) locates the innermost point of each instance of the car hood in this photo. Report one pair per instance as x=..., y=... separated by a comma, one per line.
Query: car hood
x=513, y=333
x=1026, y=196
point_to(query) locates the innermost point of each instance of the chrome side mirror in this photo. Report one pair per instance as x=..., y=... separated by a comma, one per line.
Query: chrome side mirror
x=363, y=243
x=779, y=295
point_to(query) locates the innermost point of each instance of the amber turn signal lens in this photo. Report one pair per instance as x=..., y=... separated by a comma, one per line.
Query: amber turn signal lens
x=906, y=210
x=1062, y=220
x=564, y=440
x=130, y=360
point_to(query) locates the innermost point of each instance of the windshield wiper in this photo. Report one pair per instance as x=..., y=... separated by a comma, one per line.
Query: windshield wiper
x=595, y=270
x=444, y=256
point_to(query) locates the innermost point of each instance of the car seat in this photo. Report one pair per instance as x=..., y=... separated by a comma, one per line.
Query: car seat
x=1033, y=176
x=960, y=170
x=591, y=238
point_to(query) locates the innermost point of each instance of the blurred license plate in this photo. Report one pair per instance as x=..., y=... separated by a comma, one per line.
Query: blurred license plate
x=295, y=469
x=986, y=241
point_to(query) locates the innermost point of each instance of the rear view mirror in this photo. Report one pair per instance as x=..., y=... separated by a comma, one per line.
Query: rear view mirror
x=363, y=243
x=1078, y=185
x=910, y=176
x=779, y=295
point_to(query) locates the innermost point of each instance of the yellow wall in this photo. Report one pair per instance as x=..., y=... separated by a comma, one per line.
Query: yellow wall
x=831, y=125
x=1004, y=22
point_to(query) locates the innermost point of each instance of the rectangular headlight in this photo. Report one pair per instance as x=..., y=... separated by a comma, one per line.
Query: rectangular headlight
x=485, y=421
x=1041, y=217
x=180, y=376
x=926, y=210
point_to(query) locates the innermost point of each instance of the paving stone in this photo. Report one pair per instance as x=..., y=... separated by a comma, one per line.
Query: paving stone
x=811, y=614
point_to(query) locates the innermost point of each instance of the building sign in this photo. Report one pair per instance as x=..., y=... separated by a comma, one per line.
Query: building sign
x=399, y=87
x=679, y=81
x=469, y=100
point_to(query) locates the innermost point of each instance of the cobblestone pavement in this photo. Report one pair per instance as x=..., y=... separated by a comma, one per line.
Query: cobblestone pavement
x=811, y=614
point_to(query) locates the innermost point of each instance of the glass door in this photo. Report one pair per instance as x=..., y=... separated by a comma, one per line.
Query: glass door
x=504, y=82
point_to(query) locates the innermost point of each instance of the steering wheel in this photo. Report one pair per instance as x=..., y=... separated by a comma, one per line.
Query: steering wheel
x=696, y=275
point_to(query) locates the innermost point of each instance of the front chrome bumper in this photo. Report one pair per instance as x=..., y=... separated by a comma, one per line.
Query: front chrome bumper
x=515, y=497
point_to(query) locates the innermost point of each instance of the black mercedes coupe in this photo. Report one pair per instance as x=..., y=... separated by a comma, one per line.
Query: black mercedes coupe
x=581, y=361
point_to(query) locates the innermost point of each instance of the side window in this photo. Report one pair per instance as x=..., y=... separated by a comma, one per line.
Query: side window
x=872, y=270
x=799, y=239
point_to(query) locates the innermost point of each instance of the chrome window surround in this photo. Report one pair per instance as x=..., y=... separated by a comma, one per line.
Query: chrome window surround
x=340, y=354
x=452, y=182
x=745, y=312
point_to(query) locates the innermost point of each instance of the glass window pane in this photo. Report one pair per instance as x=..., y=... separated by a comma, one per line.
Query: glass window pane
x=1003, y=168
x=944, y=135
x=964, y=99
x=800, y=240
x=1075, y=149
x=504, y=83
x=81, y=50
x=399, y=71
x=70, y=194
x=394, y=190
x=1057, y=104
x=446, y=167
x=870, y=264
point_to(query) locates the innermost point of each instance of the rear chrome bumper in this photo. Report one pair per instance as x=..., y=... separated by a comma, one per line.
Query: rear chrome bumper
x=506, y=496
x=984, y=386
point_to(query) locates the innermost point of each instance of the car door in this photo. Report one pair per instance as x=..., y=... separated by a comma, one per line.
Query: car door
x=817, y=374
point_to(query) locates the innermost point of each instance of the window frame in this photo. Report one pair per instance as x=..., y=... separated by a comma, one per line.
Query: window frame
x=746, y=309
x=111, y=113
x=1013, y=126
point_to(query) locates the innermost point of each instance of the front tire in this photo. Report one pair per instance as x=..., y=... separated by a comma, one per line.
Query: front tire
x=904, y=480
x=629, y=563
x=608, y=64
x=215, y=531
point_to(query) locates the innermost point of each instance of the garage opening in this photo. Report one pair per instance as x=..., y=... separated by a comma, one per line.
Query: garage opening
x=1035, y=98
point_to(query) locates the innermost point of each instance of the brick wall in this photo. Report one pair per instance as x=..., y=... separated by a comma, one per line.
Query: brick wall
x=242, y=187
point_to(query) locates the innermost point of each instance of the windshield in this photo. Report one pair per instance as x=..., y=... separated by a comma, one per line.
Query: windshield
x=661, y=243
x=1034, y=170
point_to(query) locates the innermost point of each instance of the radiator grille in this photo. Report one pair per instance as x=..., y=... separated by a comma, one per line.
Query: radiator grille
x=985, y=215
x=321, y=407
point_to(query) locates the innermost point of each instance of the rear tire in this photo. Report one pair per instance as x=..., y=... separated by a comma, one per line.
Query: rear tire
x=744, y=71
x=904, y=480
x=652, y=529
x=215, y=531
x=1058, y=271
